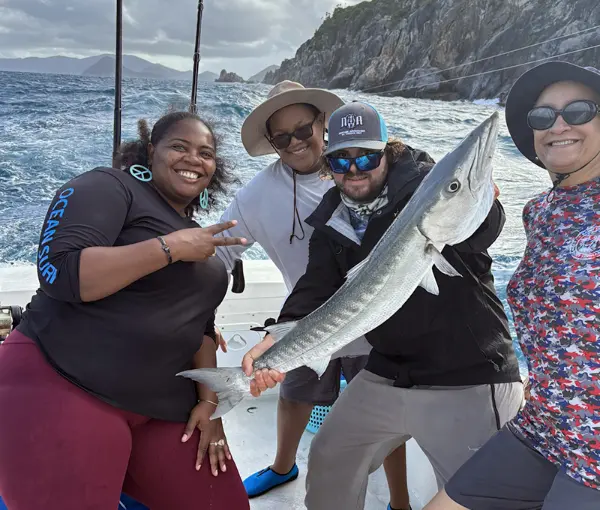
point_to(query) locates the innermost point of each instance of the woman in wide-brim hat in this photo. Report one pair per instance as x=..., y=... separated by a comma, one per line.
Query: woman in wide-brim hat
x=549, y=455
x=256, y=137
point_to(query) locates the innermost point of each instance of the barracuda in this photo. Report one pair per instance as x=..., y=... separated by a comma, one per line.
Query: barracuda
x=447, y=208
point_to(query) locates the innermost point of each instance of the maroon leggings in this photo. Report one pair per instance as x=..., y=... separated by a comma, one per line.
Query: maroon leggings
x=63, y=449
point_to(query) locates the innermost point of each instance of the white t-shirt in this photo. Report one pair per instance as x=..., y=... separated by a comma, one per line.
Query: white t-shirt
x=264, y=210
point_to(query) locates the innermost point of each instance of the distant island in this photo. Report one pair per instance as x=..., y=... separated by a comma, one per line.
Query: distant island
x=134, y=67
x=226, y=77
x=104, y=66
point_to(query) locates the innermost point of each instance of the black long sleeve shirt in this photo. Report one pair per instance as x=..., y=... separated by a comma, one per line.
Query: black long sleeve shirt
x=127, y=348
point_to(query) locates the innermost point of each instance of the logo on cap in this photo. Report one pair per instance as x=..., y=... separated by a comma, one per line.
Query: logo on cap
x=351, y=121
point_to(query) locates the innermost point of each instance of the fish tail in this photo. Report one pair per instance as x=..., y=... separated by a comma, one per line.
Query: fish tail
x=227, y=382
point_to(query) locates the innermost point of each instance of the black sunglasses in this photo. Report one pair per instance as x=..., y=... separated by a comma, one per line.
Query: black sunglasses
x=364, y=163
x=304, y=132
x=576, y=113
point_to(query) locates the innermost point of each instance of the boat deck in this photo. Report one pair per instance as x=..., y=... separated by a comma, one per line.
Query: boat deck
x=251, y=432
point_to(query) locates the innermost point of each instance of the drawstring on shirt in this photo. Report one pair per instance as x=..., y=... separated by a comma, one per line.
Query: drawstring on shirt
x=557, y=182
x=296, y=214
x=561, y=177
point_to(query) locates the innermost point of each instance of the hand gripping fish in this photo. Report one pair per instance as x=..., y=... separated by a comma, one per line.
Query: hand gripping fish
x=447, y=208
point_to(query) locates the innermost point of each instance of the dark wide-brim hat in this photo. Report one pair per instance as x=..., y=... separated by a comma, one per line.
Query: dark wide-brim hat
x=526, y=90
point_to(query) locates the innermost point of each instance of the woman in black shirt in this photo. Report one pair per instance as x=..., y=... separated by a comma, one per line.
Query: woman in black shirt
x=89, y=397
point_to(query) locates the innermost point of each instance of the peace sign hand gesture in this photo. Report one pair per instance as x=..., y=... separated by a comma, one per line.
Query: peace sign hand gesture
x=198, y=244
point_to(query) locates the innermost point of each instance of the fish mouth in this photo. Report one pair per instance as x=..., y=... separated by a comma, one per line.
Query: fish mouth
x=481, y=168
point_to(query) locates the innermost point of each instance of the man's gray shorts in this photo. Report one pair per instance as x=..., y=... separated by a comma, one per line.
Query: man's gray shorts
x=508, y=474
x=372, y=418
x=303, y=385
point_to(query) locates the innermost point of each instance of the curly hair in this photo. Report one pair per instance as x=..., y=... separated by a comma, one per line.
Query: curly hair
x=136, y=153
x=394, y=150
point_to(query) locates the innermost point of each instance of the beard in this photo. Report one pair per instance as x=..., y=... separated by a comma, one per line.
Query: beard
x=367, y=193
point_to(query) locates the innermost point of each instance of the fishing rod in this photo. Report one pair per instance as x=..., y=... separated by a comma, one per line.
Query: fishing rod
x=194, y=98
x=237, y=273
x=118, y=80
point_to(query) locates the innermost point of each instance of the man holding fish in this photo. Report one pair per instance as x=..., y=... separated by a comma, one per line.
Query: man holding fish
x=270, y=210
x=442, y=369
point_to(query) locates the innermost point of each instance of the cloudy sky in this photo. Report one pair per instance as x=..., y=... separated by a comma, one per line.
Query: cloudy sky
x=240, y=35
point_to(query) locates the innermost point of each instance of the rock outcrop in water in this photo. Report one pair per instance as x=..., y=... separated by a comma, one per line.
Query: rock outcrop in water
x=226, y=77
x=406, y=47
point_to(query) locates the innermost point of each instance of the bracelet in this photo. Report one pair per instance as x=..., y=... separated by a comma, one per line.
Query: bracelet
x=165, y=248
x=211, y=402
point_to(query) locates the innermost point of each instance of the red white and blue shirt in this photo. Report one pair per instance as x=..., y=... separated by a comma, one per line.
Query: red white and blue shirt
x=555, y=298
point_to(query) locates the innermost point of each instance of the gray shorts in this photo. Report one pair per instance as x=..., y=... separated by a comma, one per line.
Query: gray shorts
x=372, y=418
x=303, y=385
x=507, y=474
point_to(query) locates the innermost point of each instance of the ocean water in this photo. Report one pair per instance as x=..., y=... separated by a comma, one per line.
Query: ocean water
x=53, y=128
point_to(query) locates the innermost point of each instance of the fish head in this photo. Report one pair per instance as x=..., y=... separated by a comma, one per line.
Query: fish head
x=459, y=189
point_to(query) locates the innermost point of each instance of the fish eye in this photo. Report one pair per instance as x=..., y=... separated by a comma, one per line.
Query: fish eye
x=453, y=187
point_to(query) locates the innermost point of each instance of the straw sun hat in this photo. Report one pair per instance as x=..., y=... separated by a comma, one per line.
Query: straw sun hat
x=285, y=93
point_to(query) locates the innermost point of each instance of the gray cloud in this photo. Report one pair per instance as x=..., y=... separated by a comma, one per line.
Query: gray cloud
x=231, y=30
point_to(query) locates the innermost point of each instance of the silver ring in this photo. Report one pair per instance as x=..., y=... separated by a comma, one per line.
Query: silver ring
x=220, y=443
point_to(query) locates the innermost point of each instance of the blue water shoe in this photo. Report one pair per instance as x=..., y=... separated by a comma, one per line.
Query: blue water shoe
x=267, y=479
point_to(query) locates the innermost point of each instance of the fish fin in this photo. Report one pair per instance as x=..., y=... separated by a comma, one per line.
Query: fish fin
x=223, y=382
x=441, y=263
x=319, y=366
x=354, y=271
x=429, y=283
x=227, y=401
x=278, y=331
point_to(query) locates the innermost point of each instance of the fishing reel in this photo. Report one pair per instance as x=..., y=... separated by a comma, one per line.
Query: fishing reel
x=237, y=273
x=10, y=317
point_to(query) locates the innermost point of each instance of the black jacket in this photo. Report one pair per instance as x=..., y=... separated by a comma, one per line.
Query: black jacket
x=460, y=337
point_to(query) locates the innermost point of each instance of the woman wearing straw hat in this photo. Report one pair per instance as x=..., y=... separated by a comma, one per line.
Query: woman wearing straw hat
x=548, y=457
x=270, y=210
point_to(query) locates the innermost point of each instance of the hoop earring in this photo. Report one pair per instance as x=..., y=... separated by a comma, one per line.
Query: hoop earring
x=141, y=173
x=204, y=199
